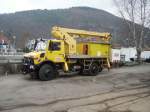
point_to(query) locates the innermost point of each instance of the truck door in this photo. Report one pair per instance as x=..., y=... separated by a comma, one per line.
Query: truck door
x=56, y=51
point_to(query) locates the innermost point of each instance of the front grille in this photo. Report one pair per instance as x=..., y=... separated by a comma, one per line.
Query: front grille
x=28, y=60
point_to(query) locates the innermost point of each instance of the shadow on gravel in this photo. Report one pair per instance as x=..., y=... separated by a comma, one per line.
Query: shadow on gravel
x=61, y=76
x=28, y=78
x=146, y=81
x=64, y=76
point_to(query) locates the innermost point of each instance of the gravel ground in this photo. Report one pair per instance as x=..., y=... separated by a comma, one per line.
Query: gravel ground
x=125, y=89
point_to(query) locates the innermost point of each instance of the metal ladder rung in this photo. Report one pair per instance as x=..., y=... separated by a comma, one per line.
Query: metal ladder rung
x=87, y=64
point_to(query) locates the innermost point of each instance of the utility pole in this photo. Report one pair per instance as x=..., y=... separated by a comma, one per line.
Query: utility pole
x=14, y=42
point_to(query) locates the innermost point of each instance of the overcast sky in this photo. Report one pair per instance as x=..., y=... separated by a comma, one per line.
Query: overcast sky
x=8, y=6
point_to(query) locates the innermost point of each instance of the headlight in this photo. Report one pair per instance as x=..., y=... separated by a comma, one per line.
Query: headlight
x=42, y=55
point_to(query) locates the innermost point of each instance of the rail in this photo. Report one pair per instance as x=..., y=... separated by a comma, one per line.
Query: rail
x=11, y=59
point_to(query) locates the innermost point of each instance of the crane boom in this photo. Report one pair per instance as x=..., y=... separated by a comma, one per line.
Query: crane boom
x=68, y=35
x=83, y=33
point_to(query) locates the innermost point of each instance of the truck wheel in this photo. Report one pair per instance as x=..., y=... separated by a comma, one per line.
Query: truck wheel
x=100, y=68
x=80, y=71
x=94, y=69
x=47, y=72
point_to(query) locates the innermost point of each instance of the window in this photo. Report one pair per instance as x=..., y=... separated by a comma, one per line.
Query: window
x=55, y=46
x=40, y=46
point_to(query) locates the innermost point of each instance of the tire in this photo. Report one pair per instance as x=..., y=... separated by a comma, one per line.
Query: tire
x=100, y=68
x=94, y=69
x=47, y=72
x=81, y=71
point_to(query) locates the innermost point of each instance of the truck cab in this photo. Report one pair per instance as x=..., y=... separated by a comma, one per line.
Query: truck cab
x=50, y=51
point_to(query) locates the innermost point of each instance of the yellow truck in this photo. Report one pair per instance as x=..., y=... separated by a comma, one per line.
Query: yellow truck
x=71, y=50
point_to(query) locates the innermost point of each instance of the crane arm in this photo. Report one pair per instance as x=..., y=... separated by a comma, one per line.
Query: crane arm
x=84, y=33
x=68, y=35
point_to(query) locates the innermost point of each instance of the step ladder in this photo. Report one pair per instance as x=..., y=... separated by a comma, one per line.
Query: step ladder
x=87, y=65
x=106, y=63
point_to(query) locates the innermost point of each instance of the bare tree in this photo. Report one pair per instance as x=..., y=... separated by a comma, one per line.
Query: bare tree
x=136, y=14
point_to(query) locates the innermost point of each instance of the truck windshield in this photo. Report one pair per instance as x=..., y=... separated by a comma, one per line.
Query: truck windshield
x=41, y=46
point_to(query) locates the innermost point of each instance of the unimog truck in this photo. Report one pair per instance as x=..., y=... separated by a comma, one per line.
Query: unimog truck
x=70, y=50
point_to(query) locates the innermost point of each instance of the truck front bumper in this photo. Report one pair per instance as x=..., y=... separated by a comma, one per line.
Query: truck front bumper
x=28, y=66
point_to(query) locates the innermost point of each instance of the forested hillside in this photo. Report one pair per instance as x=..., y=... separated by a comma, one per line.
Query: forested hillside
x=37, y=23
